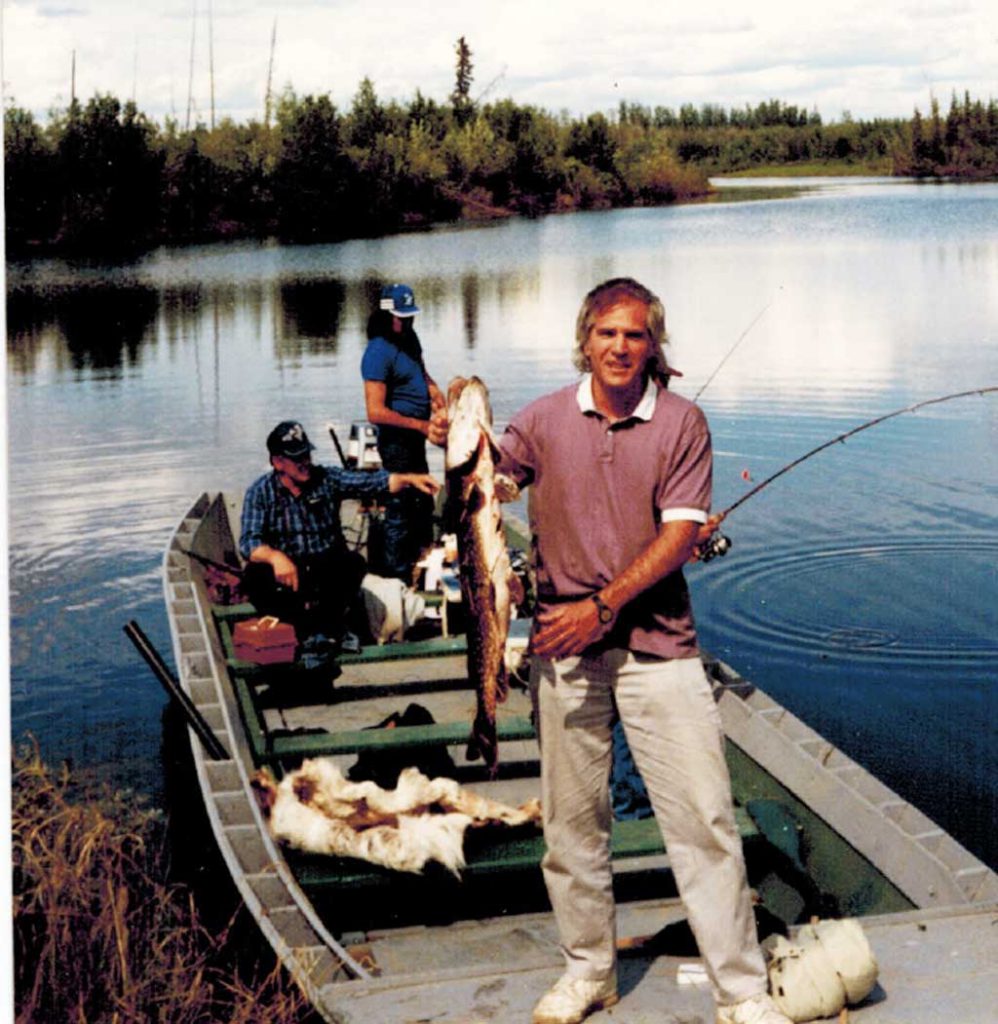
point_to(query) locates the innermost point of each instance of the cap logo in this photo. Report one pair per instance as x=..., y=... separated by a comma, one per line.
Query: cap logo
x=398, y=299
x=294, y=433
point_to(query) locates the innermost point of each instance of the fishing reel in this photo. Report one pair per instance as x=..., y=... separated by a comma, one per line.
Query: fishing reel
x=519, y=563
x=716, y=546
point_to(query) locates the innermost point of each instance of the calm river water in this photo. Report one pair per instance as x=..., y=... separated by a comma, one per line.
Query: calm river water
x=861, y=590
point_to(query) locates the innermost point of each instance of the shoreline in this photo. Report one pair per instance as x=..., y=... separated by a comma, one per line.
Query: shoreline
x=473, y=212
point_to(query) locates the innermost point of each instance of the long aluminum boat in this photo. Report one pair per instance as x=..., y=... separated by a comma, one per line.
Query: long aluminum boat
x=822, y=838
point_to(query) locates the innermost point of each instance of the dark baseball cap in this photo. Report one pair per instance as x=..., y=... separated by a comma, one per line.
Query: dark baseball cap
x=289, y=439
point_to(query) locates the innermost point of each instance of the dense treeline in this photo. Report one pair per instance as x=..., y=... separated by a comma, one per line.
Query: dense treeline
x=103, y=175
x=765, y=115
x=721, y=141
x=964, y=144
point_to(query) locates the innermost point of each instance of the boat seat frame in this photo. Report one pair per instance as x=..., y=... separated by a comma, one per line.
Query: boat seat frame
x=274, y=750
x=504, y=850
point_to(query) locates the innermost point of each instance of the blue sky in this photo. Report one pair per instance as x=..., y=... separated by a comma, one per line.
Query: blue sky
x=871, y=59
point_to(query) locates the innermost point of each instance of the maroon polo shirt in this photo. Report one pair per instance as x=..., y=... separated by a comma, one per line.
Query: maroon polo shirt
x=598, y=494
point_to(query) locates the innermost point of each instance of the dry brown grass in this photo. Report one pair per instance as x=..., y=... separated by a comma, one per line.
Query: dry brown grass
x=99, y=936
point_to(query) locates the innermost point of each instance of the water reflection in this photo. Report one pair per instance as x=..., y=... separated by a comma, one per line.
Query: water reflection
x=183, y=309
x=102, y=328
x=874, y=297
x=310, y=315
x=469, y=308
x=89, y=325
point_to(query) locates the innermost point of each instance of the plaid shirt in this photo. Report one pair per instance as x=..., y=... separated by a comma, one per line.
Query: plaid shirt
x=310, y=523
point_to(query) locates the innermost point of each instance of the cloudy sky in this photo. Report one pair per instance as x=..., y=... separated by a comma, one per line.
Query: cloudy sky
x=869, y=57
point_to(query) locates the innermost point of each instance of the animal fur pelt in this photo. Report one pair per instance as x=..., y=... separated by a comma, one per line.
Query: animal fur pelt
x=316, y=809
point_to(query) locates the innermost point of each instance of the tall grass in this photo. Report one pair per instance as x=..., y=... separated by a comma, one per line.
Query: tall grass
x=99, y=936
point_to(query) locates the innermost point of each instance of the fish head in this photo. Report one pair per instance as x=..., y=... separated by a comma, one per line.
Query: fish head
x=469, y=416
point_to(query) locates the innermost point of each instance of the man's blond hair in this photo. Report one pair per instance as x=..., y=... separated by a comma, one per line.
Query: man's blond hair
x=610, y=293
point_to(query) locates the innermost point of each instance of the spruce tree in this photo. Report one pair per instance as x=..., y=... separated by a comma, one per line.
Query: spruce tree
x=461, y=96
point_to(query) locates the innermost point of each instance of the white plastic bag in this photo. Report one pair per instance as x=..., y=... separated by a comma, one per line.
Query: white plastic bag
x=391, y=607
x=829, y=965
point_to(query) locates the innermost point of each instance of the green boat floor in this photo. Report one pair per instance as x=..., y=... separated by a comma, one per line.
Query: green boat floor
x=491, y=850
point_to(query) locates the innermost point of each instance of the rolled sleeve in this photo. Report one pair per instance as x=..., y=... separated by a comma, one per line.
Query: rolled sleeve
x=683, y=515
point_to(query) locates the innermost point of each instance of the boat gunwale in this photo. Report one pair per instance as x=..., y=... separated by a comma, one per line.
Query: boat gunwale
x=833, y=786
x=739, y=702
x=238, y=750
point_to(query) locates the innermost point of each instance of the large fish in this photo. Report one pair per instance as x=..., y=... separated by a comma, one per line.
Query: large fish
x=488, y=586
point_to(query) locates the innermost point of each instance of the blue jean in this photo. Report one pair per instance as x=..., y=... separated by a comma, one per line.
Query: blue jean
x=408, y=522
x=628, y=795
x=408, y=528
x=328, y=586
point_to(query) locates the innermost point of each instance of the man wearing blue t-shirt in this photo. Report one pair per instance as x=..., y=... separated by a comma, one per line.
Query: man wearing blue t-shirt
x=401, y=398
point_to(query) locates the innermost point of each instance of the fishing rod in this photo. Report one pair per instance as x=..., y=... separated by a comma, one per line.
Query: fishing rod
x=730, y=352
x=722, y=543
x=337, y=445
x=210, y=563
x=718, y=544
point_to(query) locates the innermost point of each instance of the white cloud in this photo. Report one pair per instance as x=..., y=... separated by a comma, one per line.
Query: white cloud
x=875, y=60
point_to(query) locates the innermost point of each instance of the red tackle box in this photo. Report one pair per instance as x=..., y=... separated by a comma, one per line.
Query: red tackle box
x=265, y=641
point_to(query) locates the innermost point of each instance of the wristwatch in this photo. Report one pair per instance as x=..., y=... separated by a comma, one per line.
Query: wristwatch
x=606, y=613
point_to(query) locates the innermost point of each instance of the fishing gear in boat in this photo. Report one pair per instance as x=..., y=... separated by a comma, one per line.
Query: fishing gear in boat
x=224, y=582
x=212, y=744
x=211, y=563
x=337, y=445
x=719, y=544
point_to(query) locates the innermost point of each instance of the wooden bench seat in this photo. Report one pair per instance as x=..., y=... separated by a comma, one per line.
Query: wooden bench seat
x=274, y=748
x=226, y=616
x=412, y=737
x=277, y=748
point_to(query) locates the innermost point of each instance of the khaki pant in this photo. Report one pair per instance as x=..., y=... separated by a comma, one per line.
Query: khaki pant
x=674, y=732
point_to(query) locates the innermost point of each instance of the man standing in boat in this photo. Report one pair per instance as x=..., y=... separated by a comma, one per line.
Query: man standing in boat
x=621, y=473
x=300, y=568
x=400, y=397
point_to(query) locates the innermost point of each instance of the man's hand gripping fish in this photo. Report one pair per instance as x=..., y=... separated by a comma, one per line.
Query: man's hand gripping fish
x=488, y=584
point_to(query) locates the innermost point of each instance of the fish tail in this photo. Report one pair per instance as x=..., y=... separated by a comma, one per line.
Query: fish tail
x=484, y=743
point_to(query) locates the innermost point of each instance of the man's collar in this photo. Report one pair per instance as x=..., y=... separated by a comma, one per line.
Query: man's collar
x=279, y=484
x=644, y=410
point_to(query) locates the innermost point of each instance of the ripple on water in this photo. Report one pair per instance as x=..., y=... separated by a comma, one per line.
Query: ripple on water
x=854, y=637
x=915, y=599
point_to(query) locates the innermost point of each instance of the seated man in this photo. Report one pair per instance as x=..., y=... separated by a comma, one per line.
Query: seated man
x=300, y=568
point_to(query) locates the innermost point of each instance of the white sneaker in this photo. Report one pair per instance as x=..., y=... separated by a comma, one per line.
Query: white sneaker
x=758, y=1009
x=572, y=999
